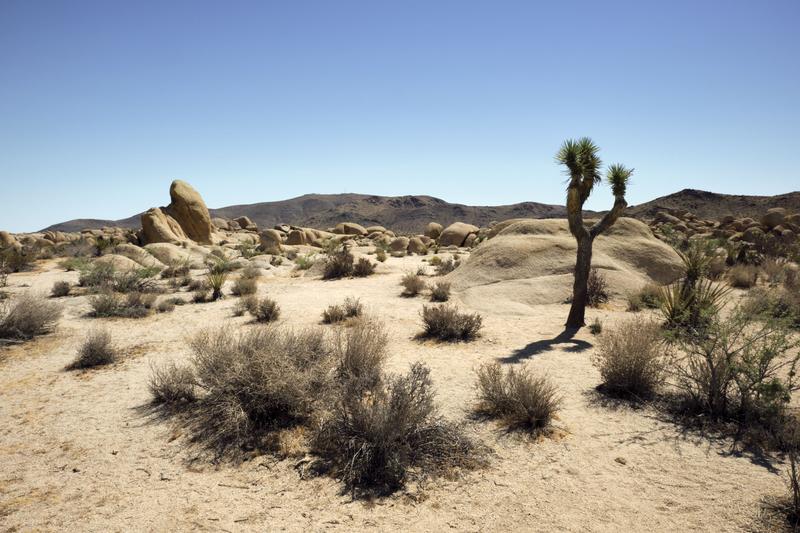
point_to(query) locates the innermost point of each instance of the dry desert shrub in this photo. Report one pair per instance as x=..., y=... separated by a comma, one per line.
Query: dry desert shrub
x=743, y=276
x=632, y=359
x=96, y=350
x=445, y=266
x=111, y=304
x=245, y=304
x=258, y=380
x=26, y=317
x=596, y=327
x=440, y=292
x=523, y=401
x=360, y=353
x=363, y=268
x=339, y=264
x=412, y=284
x=351, y=308
x=446, y=323
x=172, y=383
x=596, y=288
x=646, y=298
x=60, y=289
x=380, y=255
x=267, y=310
x=244, y=286
x=375, y=440
x=176, y=270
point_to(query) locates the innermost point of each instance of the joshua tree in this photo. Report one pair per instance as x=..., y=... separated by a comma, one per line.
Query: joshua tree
x=583, y=168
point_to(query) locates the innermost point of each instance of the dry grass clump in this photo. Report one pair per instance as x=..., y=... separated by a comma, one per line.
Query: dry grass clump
x=168, y=305
x=339, y=264
x=96, y=350
x=244, y=286
x=351, y=308
x=648, y=297
x=60, y=289
x=360, y=353
x=596, y=327
x=176, y=270
x=112, y=304
x=375, y=440
x=596, y=288
x=172, y=383
x=446, y=323
x=257, y=381
x=267, y=310
x=412, y=284
x=363, y=268
x=743, y=276
x=444, y=266
x=440, y=291
x=251, y=272
x=524, y=401
x=245, y=304
x=26, y=317
x=380, y=255
x=632, y=359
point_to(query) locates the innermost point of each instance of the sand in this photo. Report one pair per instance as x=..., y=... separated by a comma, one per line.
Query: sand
x=79, y=451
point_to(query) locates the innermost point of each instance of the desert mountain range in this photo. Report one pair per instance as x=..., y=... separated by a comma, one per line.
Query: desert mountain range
x=411, y=213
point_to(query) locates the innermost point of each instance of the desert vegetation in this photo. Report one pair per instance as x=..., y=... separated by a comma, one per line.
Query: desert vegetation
x=96, y=350
x=446, y=323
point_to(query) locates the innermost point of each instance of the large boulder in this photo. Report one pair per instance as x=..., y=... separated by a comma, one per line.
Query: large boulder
x=270, y=241
x=416, y=246
x=773, y=217
x=433, y=230
x=6, y=239
x=169, y=254
x=531, y=262
x=189, y=209
x=137, y=254
x=349, y=228
x=296, y=237
x=157, y=226
x=246, y=224
x=456, y=233
x=399, y=244
x=119, y=262
x=220, y=223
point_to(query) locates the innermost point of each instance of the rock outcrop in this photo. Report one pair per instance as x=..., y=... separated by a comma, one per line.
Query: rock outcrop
x=456, y=233
x=186, y=217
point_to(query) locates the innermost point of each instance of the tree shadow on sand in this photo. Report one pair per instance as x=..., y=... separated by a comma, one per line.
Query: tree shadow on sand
x=535, y=348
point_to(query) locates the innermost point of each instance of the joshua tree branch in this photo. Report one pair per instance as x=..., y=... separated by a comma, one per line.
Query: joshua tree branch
x=608, y=220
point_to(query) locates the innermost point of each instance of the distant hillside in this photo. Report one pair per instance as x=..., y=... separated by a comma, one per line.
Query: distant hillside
x=400, y=213
x=711, y=205
x=412, y=213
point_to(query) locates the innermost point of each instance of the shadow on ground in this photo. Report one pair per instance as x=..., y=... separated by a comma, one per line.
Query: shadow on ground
x=535, y=348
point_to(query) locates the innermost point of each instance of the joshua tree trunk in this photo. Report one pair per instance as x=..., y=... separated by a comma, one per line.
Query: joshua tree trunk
x=583, y=261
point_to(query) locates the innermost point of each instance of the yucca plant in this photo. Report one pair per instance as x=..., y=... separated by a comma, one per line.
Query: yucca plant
x=216, y=279
x=691, y=306
x=584, y=170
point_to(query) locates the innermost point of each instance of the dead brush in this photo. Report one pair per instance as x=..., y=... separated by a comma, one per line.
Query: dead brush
x=374, y=441
x=172, y=383
x=596, y=288
x=267, y=310
x=351, y=308
x=743, y=276
x=412, y=284
x=97, y=350
x=257, y=381
x=27, y=316
x=440, y=292
x=446, y=323
x=632, y=359
x=523, y=401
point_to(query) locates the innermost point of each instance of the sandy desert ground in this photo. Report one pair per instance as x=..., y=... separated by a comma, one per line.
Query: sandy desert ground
x=82, y=451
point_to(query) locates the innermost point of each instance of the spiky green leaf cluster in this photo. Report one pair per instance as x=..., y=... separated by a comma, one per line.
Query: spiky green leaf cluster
x=583, y=166
x=618, y=176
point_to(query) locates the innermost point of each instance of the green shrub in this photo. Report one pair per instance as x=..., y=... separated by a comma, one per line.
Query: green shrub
x=216, y=280
x=691, y=307
x=351, y=308
x=78, y=264
x=16, y=259
x=446, y=323
x=596, y=327
x=111, y=304
x=97, y=276
x=304, y=262
x=523, y=401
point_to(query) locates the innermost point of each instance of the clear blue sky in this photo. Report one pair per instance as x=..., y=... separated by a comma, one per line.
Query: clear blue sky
x=103, y=103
